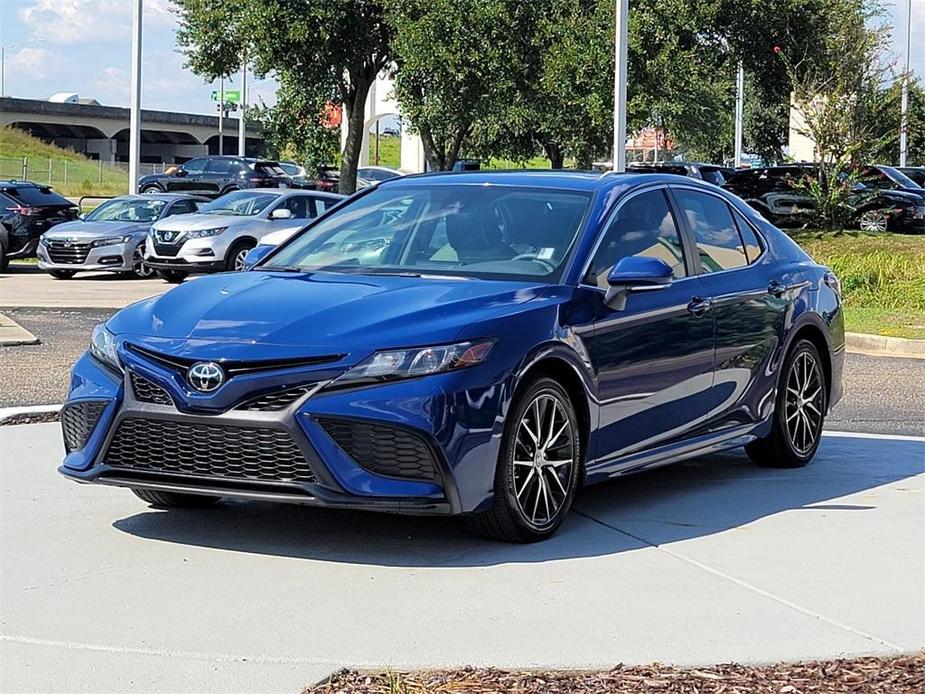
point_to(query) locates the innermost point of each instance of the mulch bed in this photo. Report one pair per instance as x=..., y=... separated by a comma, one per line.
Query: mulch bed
x=897, y=675
x=34, y=418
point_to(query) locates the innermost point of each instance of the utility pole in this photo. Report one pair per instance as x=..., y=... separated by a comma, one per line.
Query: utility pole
x=740, y=114
x=221, y=116
x=241, y=108
x=904, y=106
x=3, y=50
x=619, y=86
x=134, y=139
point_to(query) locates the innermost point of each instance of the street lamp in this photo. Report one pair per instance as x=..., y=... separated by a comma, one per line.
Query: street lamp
x=904, y=105
x=619, y=86
x=134, y=138
x=3, y=50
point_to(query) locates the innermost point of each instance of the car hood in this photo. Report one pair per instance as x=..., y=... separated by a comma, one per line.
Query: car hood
x=189, y=222
x=266, y=315
x=80, y=229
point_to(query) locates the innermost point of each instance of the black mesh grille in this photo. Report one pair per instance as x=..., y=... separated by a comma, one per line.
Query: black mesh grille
x=146, y=391
x=273, y=402
x=382, y=449
x=77, y=422
x=207, y=450
x=169, y=251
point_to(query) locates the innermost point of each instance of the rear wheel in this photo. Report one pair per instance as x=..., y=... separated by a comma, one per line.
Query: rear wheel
x=174, y=499
x=799, y=412
x=4, y=261
x=62, y=274
x=152, y=188
x=236, y=255
x=172, y=276
x=538, y=467
x=874, y=221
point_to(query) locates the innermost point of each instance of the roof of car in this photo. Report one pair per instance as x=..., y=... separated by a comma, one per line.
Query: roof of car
x=166, y=197
x=540, y=178
x=13, y=183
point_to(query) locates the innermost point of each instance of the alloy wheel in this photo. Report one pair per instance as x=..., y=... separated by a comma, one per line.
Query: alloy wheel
x=239, y=259
x=542, y=459
x=873, y=221
x=804, y=405
x=139, y=266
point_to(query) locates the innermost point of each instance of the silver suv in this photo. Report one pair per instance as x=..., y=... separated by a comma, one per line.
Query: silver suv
x=219, y=236
x=111, y=237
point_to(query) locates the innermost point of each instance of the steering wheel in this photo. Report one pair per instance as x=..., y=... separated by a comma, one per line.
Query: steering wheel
x=532, y=256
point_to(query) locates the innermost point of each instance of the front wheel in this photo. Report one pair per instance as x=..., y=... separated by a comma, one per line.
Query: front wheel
x=234, y=261
x=172, y=276
x=799, y=412
x=538, y=467
x=140, y=268
x=174, y=499
x=874, y=221
x=62, y=274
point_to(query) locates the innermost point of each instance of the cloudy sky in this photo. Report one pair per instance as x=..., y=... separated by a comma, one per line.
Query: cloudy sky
x=84, y=46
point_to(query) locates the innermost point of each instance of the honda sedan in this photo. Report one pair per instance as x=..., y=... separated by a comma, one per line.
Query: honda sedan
x=480, y=344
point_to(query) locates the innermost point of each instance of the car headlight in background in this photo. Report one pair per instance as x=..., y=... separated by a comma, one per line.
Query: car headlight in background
x=205, y=233
x=110, y=241
x=103, y=346
x=417, y=361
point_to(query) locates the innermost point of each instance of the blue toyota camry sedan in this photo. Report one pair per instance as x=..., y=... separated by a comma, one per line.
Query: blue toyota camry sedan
x=480, y=344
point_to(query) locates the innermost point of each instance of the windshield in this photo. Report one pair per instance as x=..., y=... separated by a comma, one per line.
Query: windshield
x=241, y=203
x=496, y=232
x=131, y=210
x=900, y=178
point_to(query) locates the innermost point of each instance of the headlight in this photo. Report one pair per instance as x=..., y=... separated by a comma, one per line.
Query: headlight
x=103, y=347
x=110, y=241
x=418, y=361
x=205, y=233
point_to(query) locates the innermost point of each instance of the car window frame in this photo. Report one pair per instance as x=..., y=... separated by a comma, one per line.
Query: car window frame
x=205, y=161
x=690, y=268
x=692, y=239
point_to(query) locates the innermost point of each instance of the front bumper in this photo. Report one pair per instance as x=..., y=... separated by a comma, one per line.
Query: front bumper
x=420, y=407
x=114, y=258
x=191, y=255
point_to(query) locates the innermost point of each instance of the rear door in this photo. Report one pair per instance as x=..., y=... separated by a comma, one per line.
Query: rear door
x=749, y=303
x=654, y=358
x=190, y=180
x=217, y=176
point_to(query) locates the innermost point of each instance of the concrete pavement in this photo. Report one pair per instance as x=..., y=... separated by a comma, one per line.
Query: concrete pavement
x=709, y=561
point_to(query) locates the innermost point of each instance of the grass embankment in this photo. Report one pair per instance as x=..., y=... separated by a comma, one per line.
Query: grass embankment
x=79, y=176
x=882, y=276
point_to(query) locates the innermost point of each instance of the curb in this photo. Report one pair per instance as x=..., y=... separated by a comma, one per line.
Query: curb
x=882, y=346
x=11, y=412
x=13, y=334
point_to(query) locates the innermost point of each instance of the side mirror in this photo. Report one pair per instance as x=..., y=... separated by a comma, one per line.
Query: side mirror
x=180, y=173
x=281, y=213
x=635, y=273
x=256, y=254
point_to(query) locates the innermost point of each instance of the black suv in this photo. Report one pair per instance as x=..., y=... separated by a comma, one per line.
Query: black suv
x=27, y=210
x=215, y=176
x=916, y=173
x=878, y=203
x=711, y=173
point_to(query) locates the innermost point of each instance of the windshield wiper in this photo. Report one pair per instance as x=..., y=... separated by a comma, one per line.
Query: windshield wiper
x=280, y=268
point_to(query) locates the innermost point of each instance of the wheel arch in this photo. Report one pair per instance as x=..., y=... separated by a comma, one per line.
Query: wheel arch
x=811, y=330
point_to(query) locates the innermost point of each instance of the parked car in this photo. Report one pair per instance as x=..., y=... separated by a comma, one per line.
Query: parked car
x=518, y=335
x=214, y=176
x=881, y=177
x=28, y=210
x=711, y=173
x=369, y=175
x=328, y=179
x=916, y=173
x=219, y=236
x=112, y=236
x=323, y=203
x=299, y=175
x=775, y=193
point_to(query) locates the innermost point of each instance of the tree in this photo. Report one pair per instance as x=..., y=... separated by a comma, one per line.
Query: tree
x=886, y=120
x=324, y=47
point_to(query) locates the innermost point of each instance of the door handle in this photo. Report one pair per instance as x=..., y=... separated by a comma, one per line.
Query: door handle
x=777, y=289
x=698, y=306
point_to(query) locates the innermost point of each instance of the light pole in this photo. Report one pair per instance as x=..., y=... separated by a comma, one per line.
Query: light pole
x=904, y=103
x=134, y=138
x=241, y=107
x=619, y=86
x=3, y=50
x=740, y=110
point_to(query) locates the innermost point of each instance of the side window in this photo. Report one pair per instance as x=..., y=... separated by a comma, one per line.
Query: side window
x=643, y=226
x=298, y=205
x=753, y=245
x=181, y=207
x=218, y=167
x=194, y=166
x=715, y=234
x=322, y=205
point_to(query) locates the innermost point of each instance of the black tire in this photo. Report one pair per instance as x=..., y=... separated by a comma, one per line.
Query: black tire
x=62, y=274
x=174, y=499
x=4, y=261
x=235, y=257
x=509, y=518
x=152, y=188
x=782, y=447
x=140, y=269
x=172, y=276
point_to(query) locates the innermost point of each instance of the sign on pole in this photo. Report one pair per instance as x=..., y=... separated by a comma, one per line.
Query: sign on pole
x=232, y=96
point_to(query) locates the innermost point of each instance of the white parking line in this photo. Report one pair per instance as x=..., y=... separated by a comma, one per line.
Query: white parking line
x=863, y=435
x=7, y=412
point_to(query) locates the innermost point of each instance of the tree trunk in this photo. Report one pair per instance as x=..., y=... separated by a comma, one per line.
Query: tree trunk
x=355, y=113
x=554, y=154
x=453, y=155
x=583, y=158
x=434, y=157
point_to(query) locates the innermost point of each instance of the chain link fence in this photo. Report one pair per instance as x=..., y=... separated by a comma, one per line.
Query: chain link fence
x=73, y=176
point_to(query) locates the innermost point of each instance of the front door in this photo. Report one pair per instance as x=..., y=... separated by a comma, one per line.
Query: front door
x=653, y=358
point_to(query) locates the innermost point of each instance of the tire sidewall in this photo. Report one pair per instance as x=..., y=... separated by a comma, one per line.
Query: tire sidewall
x=233, y=252
x=504, y=477
x=780, y=415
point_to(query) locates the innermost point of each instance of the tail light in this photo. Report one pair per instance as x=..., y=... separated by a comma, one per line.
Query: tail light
x=23, y=210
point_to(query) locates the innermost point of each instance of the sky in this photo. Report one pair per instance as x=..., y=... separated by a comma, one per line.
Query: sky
x=84, y=46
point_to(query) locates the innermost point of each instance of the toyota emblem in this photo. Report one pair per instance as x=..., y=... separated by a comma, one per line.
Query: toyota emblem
x=205, y=376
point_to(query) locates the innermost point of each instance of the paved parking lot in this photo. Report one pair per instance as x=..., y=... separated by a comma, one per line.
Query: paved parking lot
x=709, y=561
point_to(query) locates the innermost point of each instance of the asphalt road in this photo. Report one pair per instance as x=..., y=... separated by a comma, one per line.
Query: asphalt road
x=882, y=395
x=713, y=560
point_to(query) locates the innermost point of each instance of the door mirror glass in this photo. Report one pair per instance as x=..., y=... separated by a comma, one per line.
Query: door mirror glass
x=635, y=273
x=281, y=213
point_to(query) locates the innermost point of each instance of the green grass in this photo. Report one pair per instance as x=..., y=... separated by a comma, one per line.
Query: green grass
x=389, y=150
x=882, y=276
x=83, y=175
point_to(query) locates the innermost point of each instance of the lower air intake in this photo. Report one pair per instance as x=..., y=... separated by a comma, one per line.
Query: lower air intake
x=78, y=421
x=383, y=449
